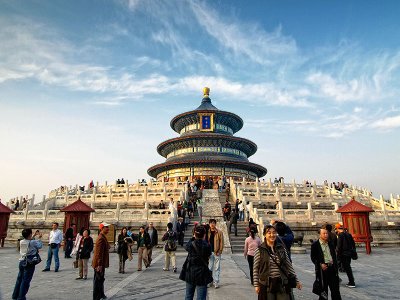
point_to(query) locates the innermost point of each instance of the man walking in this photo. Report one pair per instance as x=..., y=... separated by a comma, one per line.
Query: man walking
x=153, y=240
x=143, y=243
x=180, y=229
x=55, y=239
x=100, y=262
x=233, y=221
x=216, y=241
x=170, y=238
x=345, y=248
x=323, y=256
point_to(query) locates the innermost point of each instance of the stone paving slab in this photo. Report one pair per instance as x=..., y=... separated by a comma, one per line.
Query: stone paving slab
x=377, y=277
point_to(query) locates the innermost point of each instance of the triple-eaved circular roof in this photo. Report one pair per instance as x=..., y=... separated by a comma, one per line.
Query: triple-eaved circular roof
x=207, y=140
x=220, y=136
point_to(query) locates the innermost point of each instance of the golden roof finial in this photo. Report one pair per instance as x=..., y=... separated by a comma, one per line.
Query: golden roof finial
x=206, y=92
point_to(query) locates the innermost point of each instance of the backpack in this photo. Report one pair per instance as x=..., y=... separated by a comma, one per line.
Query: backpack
x=171, y=242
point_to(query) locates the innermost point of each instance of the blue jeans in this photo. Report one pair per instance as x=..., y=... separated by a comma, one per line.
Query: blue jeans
x=215, y=266
x=241, y=215
x=201, y=291
x=50, y=253
x=23, y=282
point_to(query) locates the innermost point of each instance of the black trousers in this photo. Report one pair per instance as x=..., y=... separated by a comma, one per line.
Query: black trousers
x=331, y=280
x=250, y=260
x=346, y=263
x=98, y=285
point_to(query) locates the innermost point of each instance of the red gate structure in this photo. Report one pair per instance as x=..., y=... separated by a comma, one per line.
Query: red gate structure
x=355, y=218
x=77, y=213
x=4, y=218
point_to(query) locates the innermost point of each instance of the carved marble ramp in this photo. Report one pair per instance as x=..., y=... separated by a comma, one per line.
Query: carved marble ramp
x=212, y=210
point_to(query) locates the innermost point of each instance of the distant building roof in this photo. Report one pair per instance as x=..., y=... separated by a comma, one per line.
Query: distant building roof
x=354, y=206
x=77, y=206
x=5, y=210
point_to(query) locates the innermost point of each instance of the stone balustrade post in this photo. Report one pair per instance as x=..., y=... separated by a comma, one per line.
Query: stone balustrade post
x=383, y=207
x=92, y=213
x=126, y=191
x=393, y=201
x=146, y=211
x=281, y=211
x=338, y=215
x=313, y=195
x=117, y=210
x=261, y=227
x=258, y=193
x=145, y=194
x=164, y=193
x=269, y=183
x=110, y=193
x=175, y=183
x=277, y=194
x=249, y=210
x=46, y=210
x=94, y=192
x=310, y=212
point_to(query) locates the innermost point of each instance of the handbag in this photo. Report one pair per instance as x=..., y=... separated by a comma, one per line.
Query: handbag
x=292, y=282
x=182, y=275
x=31, y=260
x=318, y=287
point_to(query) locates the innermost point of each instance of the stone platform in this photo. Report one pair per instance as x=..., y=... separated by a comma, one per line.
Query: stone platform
x=376, y=278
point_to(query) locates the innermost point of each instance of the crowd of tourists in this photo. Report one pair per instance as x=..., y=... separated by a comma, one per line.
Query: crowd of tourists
x=268, y=256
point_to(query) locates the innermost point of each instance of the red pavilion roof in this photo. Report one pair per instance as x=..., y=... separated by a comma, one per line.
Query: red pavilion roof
x=5, y=210
x=77, y=206
x=354, y=206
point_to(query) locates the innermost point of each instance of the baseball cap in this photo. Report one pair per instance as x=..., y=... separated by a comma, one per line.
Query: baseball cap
x=104, y=224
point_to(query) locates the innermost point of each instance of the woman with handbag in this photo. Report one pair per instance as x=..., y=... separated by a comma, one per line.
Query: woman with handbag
x=195, y=269
x=83, y=255
x=122, y=249
x=29, y=250
x=273, y=274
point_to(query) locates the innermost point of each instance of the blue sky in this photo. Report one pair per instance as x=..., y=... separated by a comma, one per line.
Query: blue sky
x=87, y=88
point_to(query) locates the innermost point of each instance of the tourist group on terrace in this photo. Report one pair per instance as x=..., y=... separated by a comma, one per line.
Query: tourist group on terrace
x=268, y=253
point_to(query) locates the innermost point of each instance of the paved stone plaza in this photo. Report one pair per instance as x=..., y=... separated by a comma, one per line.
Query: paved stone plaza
x=377, y=277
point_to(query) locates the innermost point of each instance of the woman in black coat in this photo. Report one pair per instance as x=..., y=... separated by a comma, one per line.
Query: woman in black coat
x=122, y=249
x=83, y=255
x=195, y=269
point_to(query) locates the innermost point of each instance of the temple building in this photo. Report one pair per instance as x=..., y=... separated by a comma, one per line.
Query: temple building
x=206, y=147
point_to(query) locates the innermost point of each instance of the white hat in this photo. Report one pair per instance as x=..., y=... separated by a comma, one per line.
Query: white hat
x=104, y=224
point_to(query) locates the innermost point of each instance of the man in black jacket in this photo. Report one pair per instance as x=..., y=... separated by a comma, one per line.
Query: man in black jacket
x=152, y=231
x=345, y=247
x=323, y=256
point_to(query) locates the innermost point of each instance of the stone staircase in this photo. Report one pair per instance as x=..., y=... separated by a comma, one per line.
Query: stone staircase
x=237, y=242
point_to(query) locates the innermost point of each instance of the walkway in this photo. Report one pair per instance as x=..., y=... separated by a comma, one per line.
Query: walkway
x=376, y=278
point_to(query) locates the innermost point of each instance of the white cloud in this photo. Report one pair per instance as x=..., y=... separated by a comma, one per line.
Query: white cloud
x=351, y=90
x=245, y=39
x=257, y=93
x=387, y=123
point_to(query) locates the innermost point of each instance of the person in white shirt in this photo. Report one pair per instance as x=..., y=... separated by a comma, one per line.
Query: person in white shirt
x=55, y=239
x=28, y=247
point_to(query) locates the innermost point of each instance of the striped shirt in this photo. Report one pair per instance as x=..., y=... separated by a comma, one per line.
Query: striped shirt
x=273, y=267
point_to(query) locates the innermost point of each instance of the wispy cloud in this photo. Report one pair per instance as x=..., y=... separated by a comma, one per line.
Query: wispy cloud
x=243, y=39
x=257, y=93
x=387, y=123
